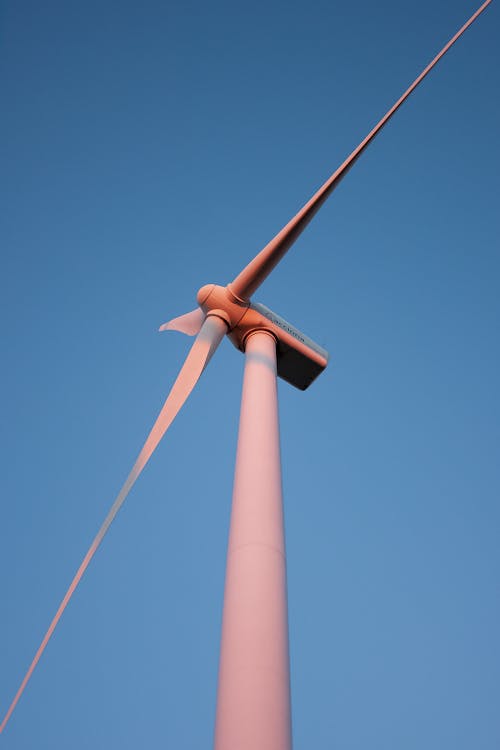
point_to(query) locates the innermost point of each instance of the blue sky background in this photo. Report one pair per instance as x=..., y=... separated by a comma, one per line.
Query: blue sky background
x=146, y=149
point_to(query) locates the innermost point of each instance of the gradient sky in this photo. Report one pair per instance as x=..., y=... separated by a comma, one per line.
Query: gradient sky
x=149, y=148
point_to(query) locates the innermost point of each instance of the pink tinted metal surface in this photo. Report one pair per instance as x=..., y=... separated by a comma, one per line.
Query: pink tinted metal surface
x=253, y=700
x=246, y=283
x=190, y=323
x=210, y=336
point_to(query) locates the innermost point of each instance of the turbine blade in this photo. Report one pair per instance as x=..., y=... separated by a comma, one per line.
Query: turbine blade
x=210, y=336
x=190, y=323
x=252, y=276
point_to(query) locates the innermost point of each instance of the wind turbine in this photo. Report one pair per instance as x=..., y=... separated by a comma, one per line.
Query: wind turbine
x=253, y=707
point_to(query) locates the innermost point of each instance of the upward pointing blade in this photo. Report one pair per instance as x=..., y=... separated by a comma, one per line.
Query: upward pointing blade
x=246, y=283
x=207, y=341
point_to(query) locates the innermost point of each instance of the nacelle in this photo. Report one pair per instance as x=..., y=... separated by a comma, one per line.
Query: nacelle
x=299, y=359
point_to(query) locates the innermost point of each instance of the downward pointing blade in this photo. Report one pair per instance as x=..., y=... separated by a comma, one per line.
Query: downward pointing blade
x=209, y=337
x=261, y=266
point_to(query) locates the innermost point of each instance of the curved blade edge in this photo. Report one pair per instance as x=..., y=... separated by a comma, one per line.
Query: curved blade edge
x=190, y=323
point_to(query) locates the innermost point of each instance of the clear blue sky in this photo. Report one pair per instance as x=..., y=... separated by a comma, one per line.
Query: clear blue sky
x=149, y=148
